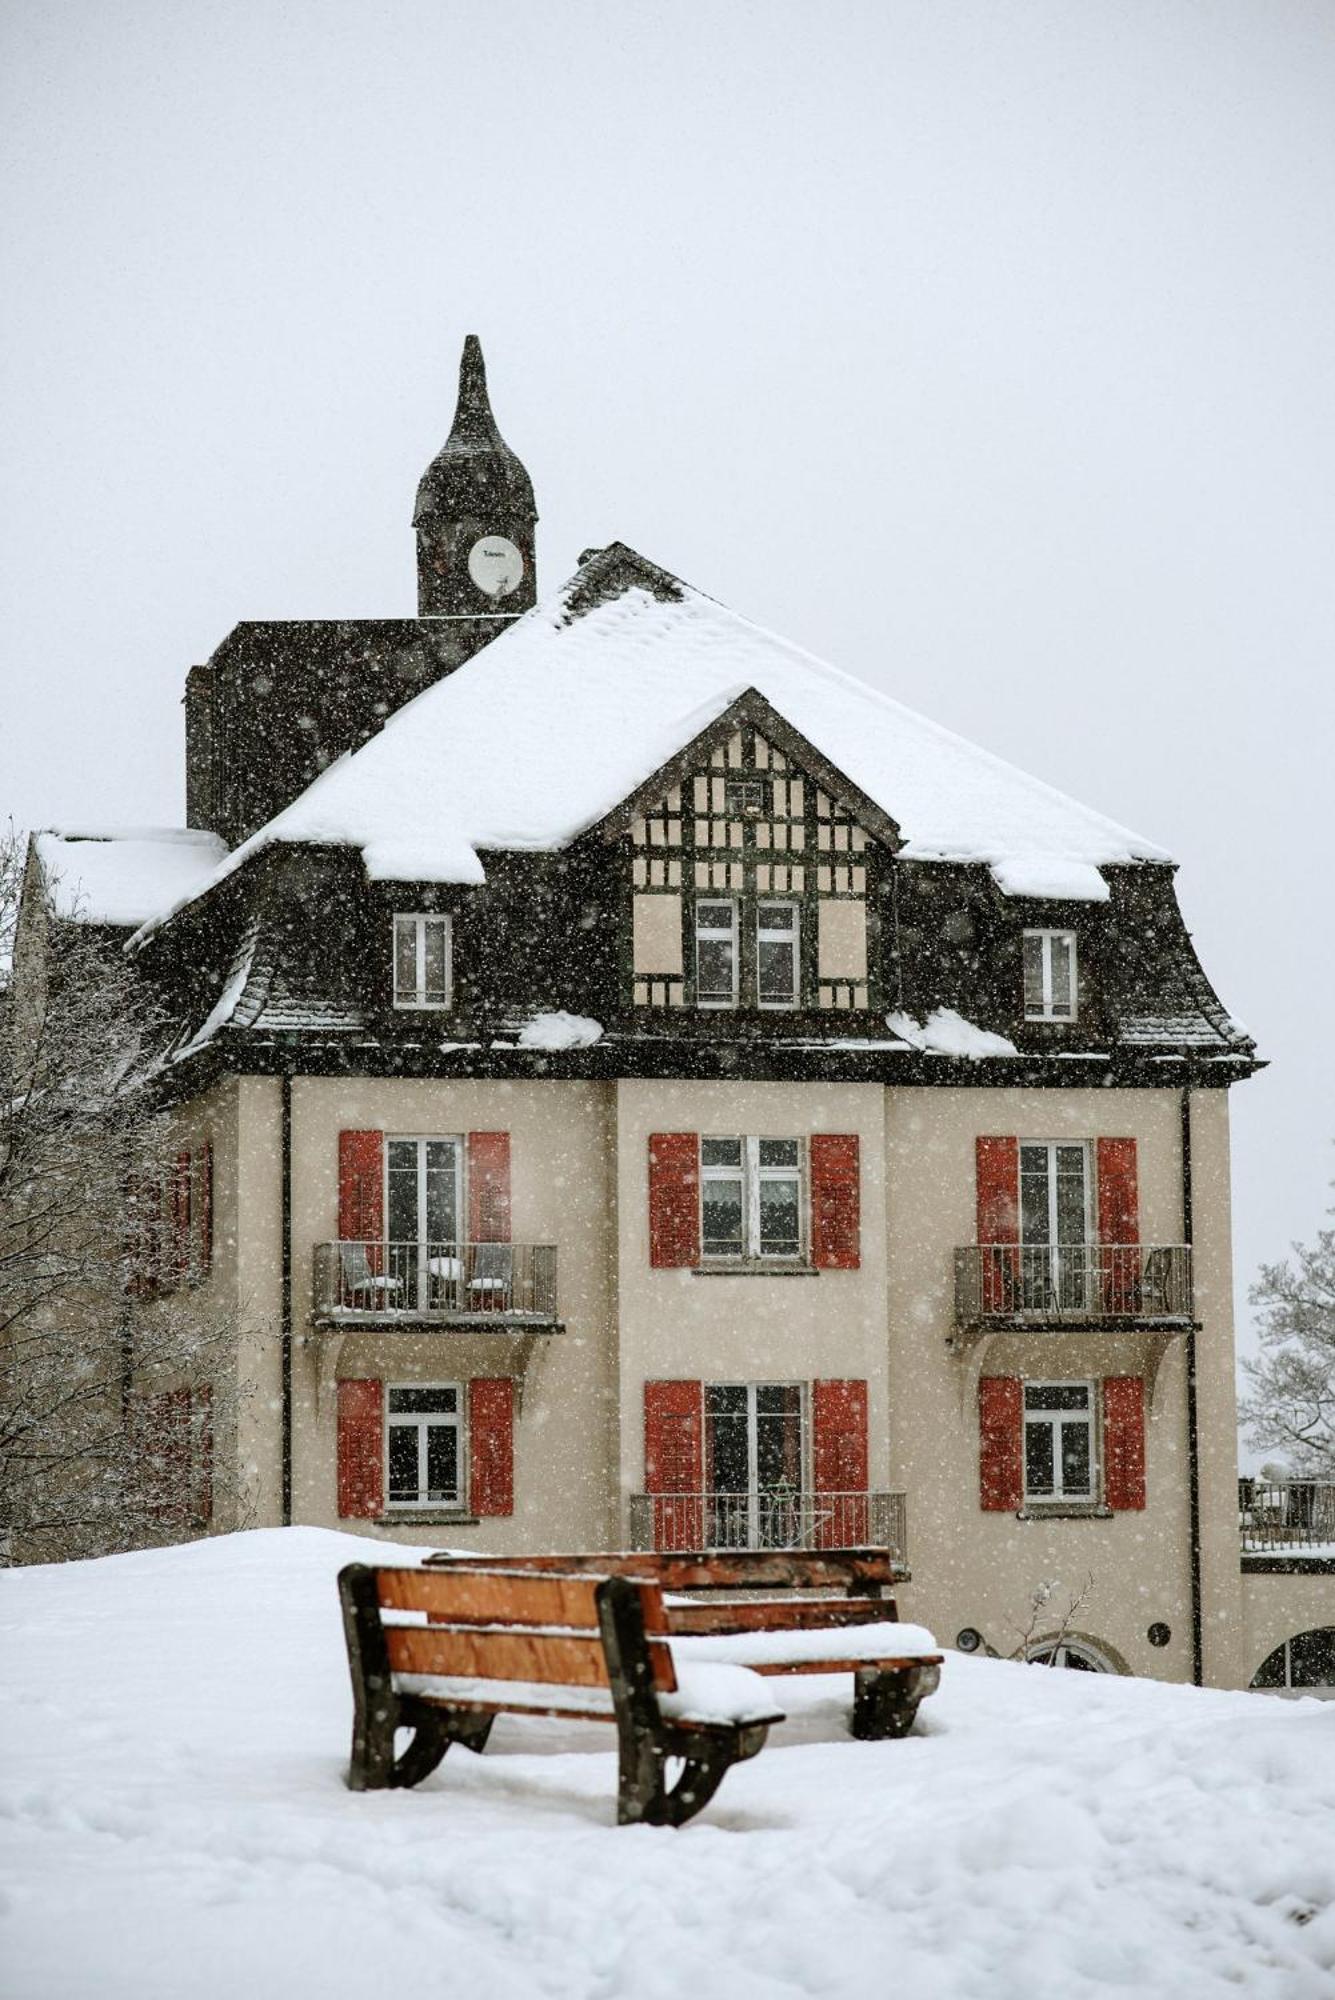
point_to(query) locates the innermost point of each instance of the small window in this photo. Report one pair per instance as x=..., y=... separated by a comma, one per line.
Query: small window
x=716, y=952
x=744, y=797
x=424, y=1446
x=1049, y=976
x=1058, y=1441
x=751, y=1198
x=422, y=961
x=778, y=939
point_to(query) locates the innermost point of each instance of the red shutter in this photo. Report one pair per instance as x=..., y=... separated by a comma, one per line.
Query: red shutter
x=674, y=1461
x=1124, y=1442
x=489, y=1189
x=997, y=1175
x=1119, y=1224
x=491, y=1444
x=835, y=1201
x=201, y=1410
x=204, y=1218
x=839, y=1463
x=1001, y=1443
x=361, y=1459
x=674, y=1200
x=178, y=1261
x=361, y=1187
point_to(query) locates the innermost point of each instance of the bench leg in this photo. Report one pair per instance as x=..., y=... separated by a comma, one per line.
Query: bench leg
x=375, y=1768
x=644, y=1796
x=884, y=1704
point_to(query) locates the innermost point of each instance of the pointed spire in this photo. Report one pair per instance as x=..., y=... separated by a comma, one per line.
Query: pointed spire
x=475, y=472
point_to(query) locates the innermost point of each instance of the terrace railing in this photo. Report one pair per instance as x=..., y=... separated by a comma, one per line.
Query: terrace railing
x=780, y=1519
x=365, y=1281
x=1090, y=1284
x=1286, y=1517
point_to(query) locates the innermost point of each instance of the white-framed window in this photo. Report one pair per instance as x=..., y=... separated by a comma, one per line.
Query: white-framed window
x=1059, y=1455
x=424, y=1444
x=751, y=1198
x=716, y=951
x=423, y=954
x=1050, y=978
x=1055, y=1223
x=778, y=954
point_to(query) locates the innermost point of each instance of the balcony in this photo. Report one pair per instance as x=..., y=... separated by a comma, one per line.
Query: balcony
x=1111, y=1285
x=505, y=1286
x=769, y=1520
x=1289, y=1520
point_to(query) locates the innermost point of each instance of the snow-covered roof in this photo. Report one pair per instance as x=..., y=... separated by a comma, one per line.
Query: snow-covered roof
x=125, y=877
x=556, y=722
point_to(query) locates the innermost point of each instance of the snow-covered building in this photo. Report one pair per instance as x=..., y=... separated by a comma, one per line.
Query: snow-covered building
x=655, y=1089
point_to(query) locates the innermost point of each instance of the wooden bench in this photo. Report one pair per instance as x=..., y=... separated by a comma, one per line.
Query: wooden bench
x=444, y=1651
x=893, y=1673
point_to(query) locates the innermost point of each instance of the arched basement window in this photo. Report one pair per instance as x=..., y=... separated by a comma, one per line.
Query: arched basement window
x=1307, y=1661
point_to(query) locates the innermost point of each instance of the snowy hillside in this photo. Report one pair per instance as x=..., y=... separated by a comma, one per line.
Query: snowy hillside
x=173, y=1823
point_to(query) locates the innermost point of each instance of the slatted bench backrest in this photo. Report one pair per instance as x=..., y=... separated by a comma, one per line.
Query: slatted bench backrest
x=510, y=1625
x=729, y=1569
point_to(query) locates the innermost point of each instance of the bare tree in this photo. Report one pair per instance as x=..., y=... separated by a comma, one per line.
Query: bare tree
x=88, y=1462
x=1043, y=1646
x=1291, y=1404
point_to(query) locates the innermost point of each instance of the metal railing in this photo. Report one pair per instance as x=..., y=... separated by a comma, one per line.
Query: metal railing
x=1286, y=1516
x=1005, y=1284
x=368, y=1280
x=781, y=1519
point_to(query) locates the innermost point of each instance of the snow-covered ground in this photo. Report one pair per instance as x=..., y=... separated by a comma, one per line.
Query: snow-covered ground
x=173, y=1823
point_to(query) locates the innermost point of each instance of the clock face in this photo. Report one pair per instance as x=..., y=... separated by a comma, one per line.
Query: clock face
x=495, y=565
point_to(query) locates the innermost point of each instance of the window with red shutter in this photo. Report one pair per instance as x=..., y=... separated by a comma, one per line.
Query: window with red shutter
x=674, y=1462
x=361, y=1423
x=489, y=1187
x=840, y=1463
x=491, y=1423
x=1124, y=1443
x=1001, y=1443
x=835, y=1201
x=674, y=1200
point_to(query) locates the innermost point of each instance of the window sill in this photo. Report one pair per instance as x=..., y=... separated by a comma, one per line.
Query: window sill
x=752, y=1267
x=426, y=1517
x=1064, y=1510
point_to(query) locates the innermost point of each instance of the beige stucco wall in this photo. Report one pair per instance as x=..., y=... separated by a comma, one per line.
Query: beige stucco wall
x=737, y=1328
x=1279, y=1607
x=978, y=1568
x=561, y=1194
x=579, y=1157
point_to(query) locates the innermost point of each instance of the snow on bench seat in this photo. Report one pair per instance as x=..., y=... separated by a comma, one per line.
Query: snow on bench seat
x=707, y=1692
x=887, y=1641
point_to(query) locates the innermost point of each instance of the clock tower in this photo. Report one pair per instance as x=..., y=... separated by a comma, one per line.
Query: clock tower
x=475, y=516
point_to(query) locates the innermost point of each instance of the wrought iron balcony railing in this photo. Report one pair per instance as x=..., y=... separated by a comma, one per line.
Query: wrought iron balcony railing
x=1090, y=1284
x=455, y=1283
x=1287, y=1517
x=780, y=1519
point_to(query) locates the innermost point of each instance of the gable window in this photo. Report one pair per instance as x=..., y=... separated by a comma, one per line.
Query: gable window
x=778, y=936
x=751, y=1198
x=424, y=1445
x=716, y=951
x=1058, y=1441
x=743, y=797
x=1049, y=976
x=422, y=961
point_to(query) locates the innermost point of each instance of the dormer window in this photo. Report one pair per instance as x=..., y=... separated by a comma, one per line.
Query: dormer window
x=716, y=951
x=1049, y=976
x=422, y=961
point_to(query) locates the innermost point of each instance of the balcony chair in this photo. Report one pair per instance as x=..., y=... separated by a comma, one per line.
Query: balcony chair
x=360, y=1286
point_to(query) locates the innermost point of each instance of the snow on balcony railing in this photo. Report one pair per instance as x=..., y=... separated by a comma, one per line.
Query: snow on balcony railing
x=1008, y=1284
x=781, y=1519
x=366, y=1280
x=1287, y=1517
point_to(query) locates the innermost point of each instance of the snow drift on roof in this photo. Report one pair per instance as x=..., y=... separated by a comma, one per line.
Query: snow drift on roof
x=551, y=726
x=125, y=877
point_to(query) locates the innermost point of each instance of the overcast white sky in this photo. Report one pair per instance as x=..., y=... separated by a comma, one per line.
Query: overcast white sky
x=984, y=349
